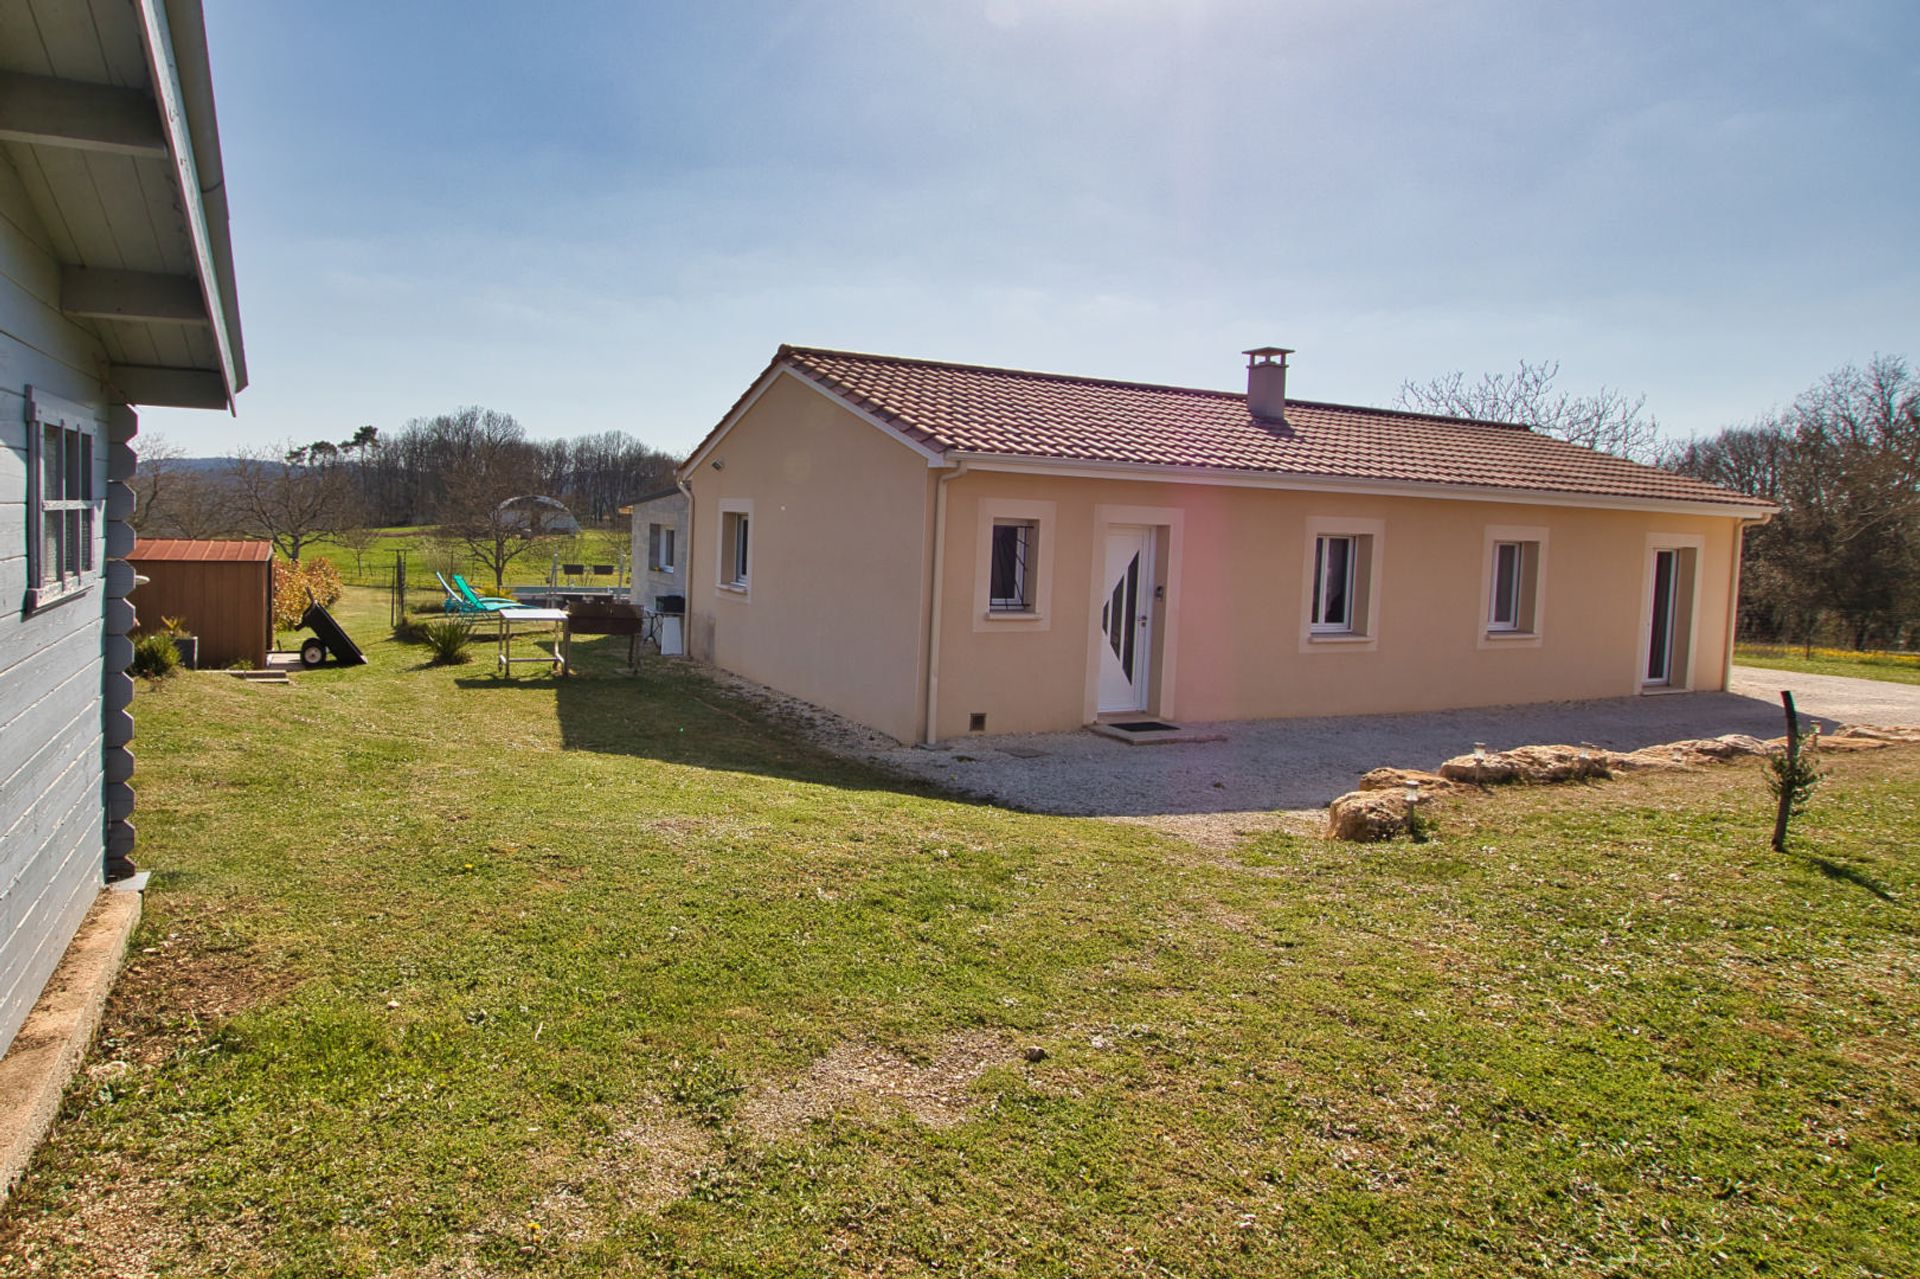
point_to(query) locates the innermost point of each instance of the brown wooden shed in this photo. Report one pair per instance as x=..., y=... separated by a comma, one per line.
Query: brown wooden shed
x=220, y=591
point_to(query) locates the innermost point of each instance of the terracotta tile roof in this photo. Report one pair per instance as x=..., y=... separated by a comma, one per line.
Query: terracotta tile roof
x=174, y=548
x=973, y=409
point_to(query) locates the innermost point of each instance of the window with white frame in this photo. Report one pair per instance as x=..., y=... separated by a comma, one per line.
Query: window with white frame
x=63, y=510
x=1010, y=566
x=735, y=550
x=1013, y=545
x=1335, y=572
x=1512, y=581
x=1340, y=584
x=660, y=548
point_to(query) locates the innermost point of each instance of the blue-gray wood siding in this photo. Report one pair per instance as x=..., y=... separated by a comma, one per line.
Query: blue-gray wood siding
x=52, y=817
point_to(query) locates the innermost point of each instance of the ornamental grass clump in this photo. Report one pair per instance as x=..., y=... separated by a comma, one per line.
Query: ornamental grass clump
x=155, y=656
x=448, y=641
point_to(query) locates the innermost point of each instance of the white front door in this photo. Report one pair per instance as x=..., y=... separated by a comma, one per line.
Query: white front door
x=1125, y=620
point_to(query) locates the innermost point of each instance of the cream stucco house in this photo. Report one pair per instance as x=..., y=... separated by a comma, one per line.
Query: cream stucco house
x=934, y=549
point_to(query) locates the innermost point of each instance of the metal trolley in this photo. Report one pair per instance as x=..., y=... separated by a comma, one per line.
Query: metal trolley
x=522, y=621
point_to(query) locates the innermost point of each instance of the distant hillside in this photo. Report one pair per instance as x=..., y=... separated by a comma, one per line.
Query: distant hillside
x=198, y=464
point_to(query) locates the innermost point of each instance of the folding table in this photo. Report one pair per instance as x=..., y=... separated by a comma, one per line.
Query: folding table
x=535, y=619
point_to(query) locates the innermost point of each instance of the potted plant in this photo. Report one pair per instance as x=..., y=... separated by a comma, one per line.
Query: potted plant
x=188, y=646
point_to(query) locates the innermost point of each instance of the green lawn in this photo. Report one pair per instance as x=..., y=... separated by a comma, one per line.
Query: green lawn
x=1900, y=668
x=372, y=565
x=443, y=976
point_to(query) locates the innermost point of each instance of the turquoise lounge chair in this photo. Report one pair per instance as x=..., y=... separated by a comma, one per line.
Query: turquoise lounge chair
x=462, y=599
x=474, y=599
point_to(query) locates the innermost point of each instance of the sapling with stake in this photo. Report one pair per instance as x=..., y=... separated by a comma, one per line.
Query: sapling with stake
x=1790, y=776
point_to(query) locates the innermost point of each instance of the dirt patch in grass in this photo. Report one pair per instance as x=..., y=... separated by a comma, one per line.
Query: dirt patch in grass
x=652, y=1160
x=174, y=992
x=857, y=1077
x=113, y=1225
x=1224, y=832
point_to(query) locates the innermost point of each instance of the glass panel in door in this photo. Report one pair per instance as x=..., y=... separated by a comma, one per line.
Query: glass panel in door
x=1123, y=637
x=1660, y=642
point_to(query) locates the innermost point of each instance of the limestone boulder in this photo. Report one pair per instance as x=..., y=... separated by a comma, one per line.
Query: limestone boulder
x=1367, y=816
x=1529, y=764
x=1874, y=733
x=1657, y=758
x=1841, y=743
x=1399, y=778
x=1726, y=746
x=1694, y=753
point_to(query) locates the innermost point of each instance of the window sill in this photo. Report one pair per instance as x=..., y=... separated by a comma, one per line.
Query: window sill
x=41, y=598
x=1500, y=637
x=1013, y=615
x=1339, y=637
x=732, y=588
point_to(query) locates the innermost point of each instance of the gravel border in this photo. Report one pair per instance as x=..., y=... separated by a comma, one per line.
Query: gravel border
x=1277, y=773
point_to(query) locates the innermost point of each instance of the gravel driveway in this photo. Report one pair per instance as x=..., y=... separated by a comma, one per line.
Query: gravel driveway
x=1264, y=765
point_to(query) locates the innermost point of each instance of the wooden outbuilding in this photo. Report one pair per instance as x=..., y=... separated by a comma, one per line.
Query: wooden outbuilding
x=220, y=591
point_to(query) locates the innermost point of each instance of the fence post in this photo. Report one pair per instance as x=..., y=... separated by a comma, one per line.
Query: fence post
x=399, y=606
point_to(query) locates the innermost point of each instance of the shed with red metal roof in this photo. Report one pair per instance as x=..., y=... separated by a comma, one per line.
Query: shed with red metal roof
x=221, y=592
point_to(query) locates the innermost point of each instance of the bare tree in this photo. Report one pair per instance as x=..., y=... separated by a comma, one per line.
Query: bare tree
x=173, y=497
x=1609, y=420
x=1750, y=459
x=404, y=474
x=1850, y=530
x=1843, y=554
x=359, y=539
x=295, y=496
x=475, y=507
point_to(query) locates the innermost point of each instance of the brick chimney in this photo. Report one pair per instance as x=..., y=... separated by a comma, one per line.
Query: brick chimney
x=1267, y=382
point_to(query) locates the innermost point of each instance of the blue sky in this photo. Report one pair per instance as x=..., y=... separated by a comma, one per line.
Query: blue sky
x=608, y=215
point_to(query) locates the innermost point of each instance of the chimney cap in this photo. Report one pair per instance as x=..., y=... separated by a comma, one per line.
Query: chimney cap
x=1265, y=354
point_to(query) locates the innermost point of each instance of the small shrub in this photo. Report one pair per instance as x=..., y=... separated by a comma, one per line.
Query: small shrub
x=291, y=584
x=244, y=664
x=448, y=639
x=173, y=626
x=154, y=656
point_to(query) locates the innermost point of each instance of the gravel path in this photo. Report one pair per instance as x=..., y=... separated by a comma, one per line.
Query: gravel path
x=1835, y=698
x=1278, y=774
x=1264, y=765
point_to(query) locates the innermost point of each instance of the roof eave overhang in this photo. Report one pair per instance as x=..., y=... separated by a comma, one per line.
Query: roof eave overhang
x=1014, y=463
x=183, y=91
